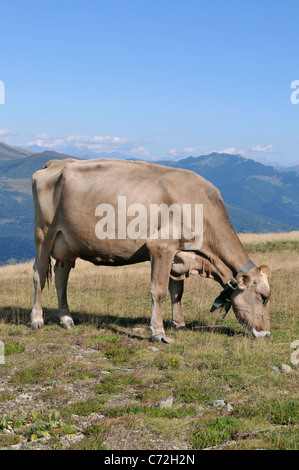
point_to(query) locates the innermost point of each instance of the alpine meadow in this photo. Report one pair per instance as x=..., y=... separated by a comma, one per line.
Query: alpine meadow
x=105, y=385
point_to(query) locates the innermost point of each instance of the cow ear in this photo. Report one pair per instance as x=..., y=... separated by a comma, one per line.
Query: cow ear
x=244, y=280
x=264, y=269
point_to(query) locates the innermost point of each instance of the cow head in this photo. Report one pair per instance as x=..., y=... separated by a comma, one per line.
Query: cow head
x=250, y=301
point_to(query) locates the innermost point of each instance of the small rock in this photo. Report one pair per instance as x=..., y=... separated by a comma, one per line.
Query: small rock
x=7, y=431
x=66, y=441
x=153, y=348
x=229, y=408
x=75, y=417
x=17, y=446
x=217, y=403
x=166, y=403
x=74, y=437
x=92, y=419
x=24, y=396
x=105, y=372
x=90, y=351
x=285, y=368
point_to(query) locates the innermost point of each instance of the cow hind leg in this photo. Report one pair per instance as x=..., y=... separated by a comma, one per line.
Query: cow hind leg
x=62, y=271
x=160, y=271
x=176, y=289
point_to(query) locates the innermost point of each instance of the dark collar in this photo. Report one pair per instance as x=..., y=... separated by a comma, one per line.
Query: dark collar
x=229, y=288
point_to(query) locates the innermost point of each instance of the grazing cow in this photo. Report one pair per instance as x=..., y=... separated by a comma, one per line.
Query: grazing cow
x=87, y=209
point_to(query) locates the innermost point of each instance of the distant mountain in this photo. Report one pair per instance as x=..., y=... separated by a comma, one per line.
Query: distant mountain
x=250, y=186
x=7, y=152
x=248, y=222
x=258, y=198
x=26, y=167
x=82, y=152
x=291, y=168
x=16, y=204
x=11, y=155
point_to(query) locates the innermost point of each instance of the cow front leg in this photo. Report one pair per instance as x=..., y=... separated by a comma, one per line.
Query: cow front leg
x=176, y=289
x=41, y=271
x=160, y=271
x=62, y=271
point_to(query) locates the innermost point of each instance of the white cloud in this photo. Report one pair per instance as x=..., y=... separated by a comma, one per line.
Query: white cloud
x=108, y=144
x=173, y=152
x=188, y=150
x=252, y=154
x=81, y=143
x=230, y=150
x=95, y=141
x=141, y=150
x=248, y=153
x=258, y=148
x=182, y=152
x=45, y=140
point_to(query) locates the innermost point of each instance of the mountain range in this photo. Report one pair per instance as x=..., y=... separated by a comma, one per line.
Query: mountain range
x=258, y=198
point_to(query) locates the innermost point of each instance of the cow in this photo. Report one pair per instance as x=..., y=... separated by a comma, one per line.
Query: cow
x=80, y=212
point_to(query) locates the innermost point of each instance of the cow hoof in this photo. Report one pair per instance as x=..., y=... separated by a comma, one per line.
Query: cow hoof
x=67, y=322
x=162, y=339
x=37, y=325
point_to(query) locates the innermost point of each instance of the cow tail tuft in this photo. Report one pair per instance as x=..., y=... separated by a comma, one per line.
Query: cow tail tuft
x=49, y=272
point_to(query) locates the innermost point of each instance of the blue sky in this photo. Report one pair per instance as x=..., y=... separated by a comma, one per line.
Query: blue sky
x=151, y=78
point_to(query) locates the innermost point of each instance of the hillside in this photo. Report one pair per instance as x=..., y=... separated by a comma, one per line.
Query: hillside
x=250, y=186
x=10, y=156
x=16, y=204
x=7, y=152
x=293, y=168
x=259, y=198
x=26, y=167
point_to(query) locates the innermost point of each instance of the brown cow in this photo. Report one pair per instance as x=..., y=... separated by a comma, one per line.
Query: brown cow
x=116, y=212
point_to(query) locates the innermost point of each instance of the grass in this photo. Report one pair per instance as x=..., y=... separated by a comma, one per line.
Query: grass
x=214, y=432
x=105, y=381
x=275, y=245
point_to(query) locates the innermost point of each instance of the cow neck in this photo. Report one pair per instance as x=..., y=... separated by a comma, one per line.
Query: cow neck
x=226, y=256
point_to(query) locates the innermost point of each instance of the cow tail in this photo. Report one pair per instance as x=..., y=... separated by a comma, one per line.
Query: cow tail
x=49, y=272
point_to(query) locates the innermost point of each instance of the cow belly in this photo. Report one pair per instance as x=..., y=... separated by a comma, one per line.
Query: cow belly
x=116, y=253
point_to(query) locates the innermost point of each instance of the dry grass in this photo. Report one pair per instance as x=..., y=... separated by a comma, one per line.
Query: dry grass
x=268, y=237
x=106, y=382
